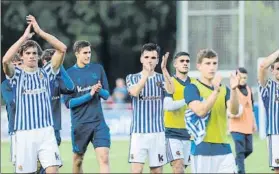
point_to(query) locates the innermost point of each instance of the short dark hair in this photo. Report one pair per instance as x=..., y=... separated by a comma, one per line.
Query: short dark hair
x=242, y=70
x=181, y=53
x=16, y=58
x=27, y=44
x=277, y=60
x=47, y=54
x=151, y=47
x=80, y=44
x=206, y=53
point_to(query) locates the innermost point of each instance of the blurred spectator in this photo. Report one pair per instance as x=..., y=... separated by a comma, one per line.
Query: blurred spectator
x=120, y=92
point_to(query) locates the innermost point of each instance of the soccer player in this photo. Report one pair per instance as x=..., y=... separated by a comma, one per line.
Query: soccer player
x=33, y=126
x=147, y=129
x=177, y=137
x=207, y=95
x=269, y=90
x=61, y=85
x=244, y=125
x=88, y=123
x=9, y=98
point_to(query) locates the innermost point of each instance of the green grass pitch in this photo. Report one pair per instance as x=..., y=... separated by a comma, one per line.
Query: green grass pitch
x=255, y=163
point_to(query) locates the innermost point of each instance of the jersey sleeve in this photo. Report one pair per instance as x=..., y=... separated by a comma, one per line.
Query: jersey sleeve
x=264, y=90
x=130, y=81
x=104, y=80
x=64, y=89
x=65, y=82
x=49, y=71
x=14, y=79
x=191, y=93
x=68, y=96
x=5, y=89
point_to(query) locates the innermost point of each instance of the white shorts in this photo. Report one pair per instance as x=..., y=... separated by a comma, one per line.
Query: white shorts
x=273, y=150
x=213, y=164
x=152, y=145
x=32, y=145
x=178, y=149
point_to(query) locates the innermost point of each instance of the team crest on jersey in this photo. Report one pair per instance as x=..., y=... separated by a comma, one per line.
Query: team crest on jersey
x=41, y=75
x=277, y=161
x=20, y=167
x=178, y=153
x=94, y=76
x=160, y=84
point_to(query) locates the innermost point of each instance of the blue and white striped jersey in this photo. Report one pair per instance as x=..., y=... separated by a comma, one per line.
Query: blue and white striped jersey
x=33, y=98
x=148, y=106
x=270, y=98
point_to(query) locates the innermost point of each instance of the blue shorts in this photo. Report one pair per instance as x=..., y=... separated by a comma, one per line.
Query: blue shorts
x=96, y=133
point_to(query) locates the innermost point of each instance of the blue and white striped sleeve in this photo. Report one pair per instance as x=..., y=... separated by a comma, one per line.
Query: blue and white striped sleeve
x=191, y=93
x=264, y=90
x=130, y=81
x=14, y=79
x=49, y=70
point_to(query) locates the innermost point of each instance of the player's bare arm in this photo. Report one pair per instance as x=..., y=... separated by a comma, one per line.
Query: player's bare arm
x=233, y=104
x=135, y=89
x=266, y=63
x=169, y=86
x=201, y=108
x=58, y=56
x=8, y=67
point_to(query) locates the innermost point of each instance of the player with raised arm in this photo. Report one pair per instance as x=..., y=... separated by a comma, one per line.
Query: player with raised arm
x=177, y=137
x=147, y=90
x=206, y=97
x=88, y=122
x=269, y=90
x=35, y=137
x=61, y=85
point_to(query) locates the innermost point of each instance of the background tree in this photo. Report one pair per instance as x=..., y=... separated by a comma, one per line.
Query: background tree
x=116, y=29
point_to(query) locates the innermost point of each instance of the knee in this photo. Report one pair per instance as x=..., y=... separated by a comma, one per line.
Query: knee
x=104, y=159
x=178, y=167
x=137, y=168
x=51, y=170
x=77, y=160
x=156, y=170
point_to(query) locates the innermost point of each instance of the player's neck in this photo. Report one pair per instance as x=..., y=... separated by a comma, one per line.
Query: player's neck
x=29, y=69
x=206, y=81
x=181, y=76
x=80, y=65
